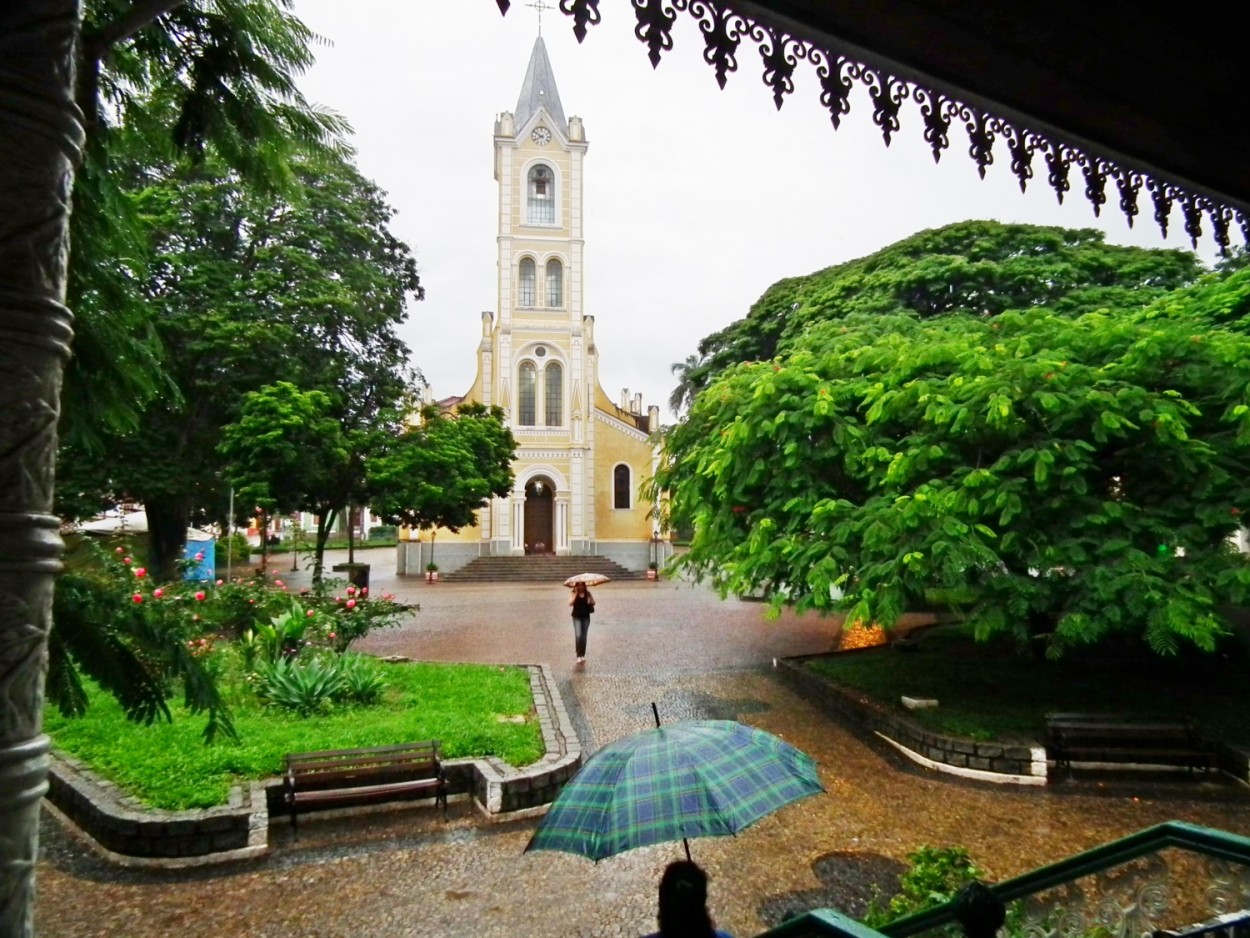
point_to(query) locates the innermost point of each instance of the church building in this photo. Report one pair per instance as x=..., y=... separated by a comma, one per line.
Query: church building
x=582, y=458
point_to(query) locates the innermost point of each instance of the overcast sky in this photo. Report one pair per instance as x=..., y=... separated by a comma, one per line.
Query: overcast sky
x=697, y=199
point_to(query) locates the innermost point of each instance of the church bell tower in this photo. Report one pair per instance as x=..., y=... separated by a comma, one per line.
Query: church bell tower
x=541, y=346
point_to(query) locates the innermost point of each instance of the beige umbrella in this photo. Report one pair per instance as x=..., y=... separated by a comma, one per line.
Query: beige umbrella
x=590, y=579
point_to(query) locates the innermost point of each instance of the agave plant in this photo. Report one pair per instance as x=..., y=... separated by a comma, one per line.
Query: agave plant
x=362, y=681
x=305, y=686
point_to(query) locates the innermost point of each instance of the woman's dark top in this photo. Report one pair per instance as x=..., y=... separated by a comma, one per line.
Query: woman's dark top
x=582, y=607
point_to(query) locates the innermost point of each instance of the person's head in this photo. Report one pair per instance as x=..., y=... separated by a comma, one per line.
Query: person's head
x=579, y=587
x=978, y=911
x=683, y=902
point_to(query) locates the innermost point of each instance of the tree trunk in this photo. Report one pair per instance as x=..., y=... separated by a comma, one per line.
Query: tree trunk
x=167, y=535
x=325, y=522
x=351, y=541
x=40, y=144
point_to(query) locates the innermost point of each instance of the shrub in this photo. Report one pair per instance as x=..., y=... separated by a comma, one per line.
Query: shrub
x=304, y=686
x=362, y=681
x=235, y=547
x=383, y=532
x=934, y=876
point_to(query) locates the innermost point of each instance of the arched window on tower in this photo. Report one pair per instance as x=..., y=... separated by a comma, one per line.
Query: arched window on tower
x=555, y=284
x=554, y=393
x=541, y=204
x=620, y=487
x=525, y=294
x=527, y=390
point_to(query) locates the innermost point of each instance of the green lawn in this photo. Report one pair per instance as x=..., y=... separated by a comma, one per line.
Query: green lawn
x=167, y=765
x=986, y=691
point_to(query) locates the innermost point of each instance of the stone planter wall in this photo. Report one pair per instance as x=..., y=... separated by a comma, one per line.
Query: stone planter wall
x=127, y=832
x=1018, y=763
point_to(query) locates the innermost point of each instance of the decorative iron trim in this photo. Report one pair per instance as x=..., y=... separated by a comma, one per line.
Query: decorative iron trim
x=724, y=26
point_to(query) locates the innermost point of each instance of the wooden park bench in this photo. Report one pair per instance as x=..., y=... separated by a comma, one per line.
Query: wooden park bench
x=1124, y=739
x=356, y=776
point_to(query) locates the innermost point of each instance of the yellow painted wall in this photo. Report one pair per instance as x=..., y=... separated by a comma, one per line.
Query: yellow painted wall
x=611, y=448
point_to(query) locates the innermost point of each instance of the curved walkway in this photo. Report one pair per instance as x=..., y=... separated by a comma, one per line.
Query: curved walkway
x=407, y=874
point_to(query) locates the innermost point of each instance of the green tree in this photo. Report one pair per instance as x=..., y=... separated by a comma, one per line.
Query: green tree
x=251, y=288
x=160, y=80
x=439, y=473
x=681, y=396
x=980, y=268
x=1080, y=476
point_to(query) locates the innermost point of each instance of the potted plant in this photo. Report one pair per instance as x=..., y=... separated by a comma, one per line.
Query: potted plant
x=431, y=572
x=653, y=570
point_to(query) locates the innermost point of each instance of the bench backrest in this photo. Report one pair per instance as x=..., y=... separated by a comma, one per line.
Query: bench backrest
x=340, y=768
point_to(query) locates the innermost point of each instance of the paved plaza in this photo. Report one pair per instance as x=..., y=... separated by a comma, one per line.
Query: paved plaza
x=407, y=873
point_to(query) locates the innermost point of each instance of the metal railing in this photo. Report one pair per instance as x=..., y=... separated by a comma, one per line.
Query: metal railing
x=1159, y=880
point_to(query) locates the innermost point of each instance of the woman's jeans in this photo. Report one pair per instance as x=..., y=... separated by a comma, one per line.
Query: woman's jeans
x=581, y=625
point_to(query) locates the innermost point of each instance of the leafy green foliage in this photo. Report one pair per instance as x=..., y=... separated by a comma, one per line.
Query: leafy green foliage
x=1079, y=475
x=305, y=686
x=987, y=691
x=104, y=627
x=141, y=639
x=167, y=766
x=200, y=79
x=441, y=471
x=933, y=877
x=362, y=679
x=977, y=268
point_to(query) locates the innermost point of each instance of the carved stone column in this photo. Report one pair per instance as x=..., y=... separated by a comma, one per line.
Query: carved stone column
x=40, y=141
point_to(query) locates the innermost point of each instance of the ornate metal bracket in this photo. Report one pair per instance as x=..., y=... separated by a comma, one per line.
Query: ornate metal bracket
x=724, y=27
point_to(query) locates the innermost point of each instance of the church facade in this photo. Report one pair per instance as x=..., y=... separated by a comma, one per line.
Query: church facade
x=582, y=458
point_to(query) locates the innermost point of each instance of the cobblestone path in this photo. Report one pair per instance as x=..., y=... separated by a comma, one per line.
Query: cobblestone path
x=406, y=873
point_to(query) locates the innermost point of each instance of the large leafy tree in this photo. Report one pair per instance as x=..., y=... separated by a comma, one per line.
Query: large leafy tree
x=160, y=80
x=441, y=471
x=980, y=268
x=291, y=450
x=1079, y=476
x=248, y=288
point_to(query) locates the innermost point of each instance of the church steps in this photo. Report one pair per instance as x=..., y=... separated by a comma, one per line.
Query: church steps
x=540, y=569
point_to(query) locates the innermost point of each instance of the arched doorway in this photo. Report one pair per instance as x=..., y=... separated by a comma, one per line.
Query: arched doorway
x=540, y=532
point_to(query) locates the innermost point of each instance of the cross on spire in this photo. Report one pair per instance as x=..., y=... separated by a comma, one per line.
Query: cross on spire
x=540, y=7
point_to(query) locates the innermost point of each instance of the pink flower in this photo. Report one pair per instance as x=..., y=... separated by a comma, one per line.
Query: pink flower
x=158, y=592
x=333, y=636
x=364, y=591
x=138, y=598
x=351, y=591
x=200, y=594
x=126, y=561
x=310, y=612
x=199, y=556
x=219, y=582
x=119, y=550
x=351, y=604
x=277, y=582
x=141, y=572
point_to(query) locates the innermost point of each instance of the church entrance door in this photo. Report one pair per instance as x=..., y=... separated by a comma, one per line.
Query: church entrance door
x=539, y=517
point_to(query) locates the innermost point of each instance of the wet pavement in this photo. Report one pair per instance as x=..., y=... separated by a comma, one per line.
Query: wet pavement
x=406, y=873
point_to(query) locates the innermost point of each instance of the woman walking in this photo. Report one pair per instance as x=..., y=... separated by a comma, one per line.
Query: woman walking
x=583, y=605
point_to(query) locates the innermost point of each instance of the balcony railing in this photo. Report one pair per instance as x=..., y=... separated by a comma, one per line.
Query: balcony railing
x=1171, y=879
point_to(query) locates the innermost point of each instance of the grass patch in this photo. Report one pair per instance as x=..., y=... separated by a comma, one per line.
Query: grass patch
x=167, y=765
x=988, y=691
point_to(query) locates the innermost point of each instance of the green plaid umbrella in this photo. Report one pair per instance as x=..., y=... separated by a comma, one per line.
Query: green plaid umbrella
x=701, y=778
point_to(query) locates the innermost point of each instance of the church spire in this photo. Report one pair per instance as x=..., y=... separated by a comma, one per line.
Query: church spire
x=539, y=91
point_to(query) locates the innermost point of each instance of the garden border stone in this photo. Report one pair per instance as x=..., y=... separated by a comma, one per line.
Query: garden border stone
x=126, y=832
x=1019, y=762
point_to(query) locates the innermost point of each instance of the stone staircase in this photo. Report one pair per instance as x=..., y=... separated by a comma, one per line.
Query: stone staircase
x=541, y=568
